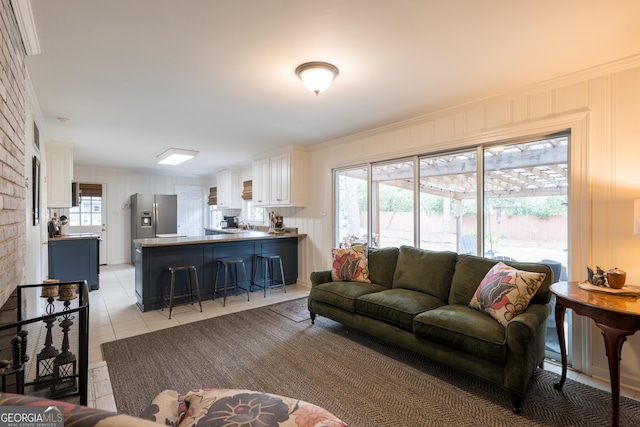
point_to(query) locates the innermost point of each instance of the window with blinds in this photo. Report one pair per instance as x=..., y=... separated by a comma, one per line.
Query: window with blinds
x=247, y=190
x=213, y=196
x=89, y=210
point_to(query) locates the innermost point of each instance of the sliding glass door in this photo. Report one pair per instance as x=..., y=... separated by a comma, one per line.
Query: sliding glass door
x=351, y=204
x=392, y=202
x=525, y=201
x=448, y=206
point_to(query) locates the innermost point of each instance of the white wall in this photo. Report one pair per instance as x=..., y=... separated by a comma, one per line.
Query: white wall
x=121, y=184
x=36, y=234
x=601, y=106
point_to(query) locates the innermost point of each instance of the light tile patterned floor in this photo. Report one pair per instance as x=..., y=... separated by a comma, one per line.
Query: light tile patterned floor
x=113, y=315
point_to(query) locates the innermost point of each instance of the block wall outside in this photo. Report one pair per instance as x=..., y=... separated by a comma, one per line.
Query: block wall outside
x=13, y=173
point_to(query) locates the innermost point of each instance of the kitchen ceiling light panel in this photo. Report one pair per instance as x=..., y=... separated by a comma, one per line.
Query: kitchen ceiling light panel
x=175, y=156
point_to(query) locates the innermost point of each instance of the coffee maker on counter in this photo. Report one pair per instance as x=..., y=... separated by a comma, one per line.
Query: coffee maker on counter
x=54, y=226
x=231, y=222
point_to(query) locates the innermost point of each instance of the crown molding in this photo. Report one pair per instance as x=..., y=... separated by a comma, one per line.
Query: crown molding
x=26, y=25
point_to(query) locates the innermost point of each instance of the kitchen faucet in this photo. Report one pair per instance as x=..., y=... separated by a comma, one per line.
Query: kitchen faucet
x=246, y=223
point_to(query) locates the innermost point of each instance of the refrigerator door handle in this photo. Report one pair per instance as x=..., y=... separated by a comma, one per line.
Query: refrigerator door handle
x=155, y=219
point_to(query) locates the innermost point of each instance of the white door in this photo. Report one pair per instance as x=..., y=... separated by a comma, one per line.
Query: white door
x=92, y=218
x=192, y=201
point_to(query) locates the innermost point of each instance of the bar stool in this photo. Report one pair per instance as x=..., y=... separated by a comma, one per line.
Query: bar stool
x=267, y=261
x=191, y=274
x=226, y=262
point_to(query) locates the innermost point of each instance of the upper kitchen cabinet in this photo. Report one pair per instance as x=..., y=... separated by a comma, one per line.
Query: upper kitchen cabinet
x=59, y=158
x=229, y=189
x=280, y=170
x=281, y=179
x=260, y=178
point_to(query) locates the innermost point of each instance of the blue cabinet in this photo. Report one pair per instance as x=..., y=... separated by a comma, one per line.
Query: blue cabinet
x=72, y=259
x=152, y=263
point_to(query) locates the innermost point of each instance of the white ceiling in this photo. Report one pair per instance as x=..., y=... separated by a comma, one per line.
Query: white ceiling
x=135, y=77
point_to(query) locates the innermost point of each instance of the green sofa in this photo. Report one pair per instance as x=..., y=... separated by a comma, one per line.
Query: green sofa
x=418, y=299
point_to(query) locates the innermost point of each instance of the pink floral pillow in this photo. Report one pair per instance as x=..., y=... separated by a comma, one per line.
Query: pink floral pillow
x=350, y=264
x=229, y=407
x=505, y=292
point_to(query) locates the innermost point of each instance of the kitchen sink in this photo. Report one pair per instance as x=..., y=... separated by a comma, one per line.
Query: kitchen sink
x=235, y=230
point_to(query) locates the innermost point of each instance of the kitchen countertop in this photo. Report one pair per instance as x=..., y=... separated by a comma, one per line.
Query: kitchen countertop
x=216, y=238
x=75, y=236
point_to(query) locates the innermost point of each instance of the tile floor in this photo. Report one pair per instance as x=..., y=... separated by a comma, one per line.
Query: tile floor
x=114, y=315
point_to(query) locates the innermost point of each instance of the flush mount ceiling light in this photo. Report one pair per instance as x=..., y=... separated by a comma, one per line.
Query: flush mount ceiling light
x=317, y=76
x=175, y=156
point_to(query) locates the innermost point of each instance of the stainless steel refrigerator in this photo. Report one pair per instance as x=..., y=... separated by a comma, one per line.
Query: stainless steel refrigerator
x=153, y=215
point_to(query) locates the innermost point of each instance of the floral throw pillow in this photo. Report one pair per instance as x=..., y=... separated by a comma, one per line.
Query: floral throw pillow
x=350, y=264
x=505, y=292
x=244, y=408
x=166, y=408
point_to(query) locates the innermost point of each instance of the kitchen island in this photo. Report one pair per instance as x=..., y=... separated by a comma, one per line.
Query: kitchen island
x=153, y=257
x=75, y=257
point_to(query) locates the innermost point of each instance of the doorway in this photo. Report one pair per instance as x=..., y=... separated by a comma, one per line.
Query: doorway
x=88, y=216
x=192, y=201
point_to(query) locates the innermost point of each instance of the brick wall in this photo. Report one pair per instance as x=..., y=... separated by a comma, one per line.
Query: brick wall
x=13, y=173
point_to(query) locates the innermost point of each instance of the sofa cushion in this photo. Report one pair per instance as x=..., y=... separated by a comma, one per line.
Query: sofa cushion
x=505, y=292
x=343, y=294
x=396, y=306
x=167, y=408
x=425, y=271
x=464, y=329
x=350, y=264
x=382, y=265
x=471, y=269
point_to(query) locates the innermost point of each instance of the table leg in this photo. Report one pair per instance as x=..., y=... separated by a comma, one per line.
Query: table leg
x=560, y=310
x=613, y=340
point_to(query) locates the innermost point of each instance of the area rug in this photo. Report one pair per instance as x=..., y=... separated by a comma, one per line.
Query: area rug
x=296, y=310
x=360, y=379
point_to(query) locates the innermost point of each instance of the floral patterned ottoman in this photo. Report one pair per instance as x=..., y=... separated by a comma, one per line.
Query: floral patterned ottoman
x=236, y=408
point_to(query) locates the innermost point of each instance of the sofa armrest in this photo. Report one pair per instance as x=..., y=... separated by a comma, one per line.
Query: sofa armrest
x=526, y=335
x=76, y=415
x=320, y=277
x=524, y=326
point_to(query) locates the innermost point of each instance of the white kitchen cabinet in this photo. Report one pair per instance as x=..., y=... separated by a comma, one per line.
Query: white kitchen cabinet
x=260, y=182
x=59, y=157
x=280, y=171
x=229, y=189
x=281, y=179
